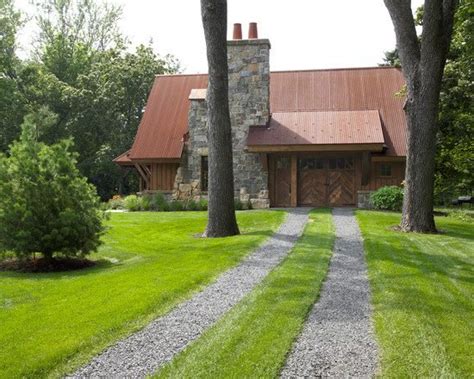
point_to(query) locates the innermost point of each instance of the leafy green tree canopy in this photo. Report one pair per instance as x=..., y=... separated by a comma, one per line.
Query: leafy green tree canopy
x=84, y=71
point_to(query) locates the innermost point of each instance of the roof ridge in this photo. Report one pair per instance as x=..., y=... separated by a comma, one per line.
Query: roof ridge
x=324, y=110
x=338, y=69
x=302, y=70
x=168, y=75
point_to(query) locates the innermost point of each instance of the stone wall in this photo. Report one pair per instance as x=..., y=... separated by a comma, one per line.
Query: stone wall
x=249, y=97
x=363, y=199
x=196, y=146
x=249, y=102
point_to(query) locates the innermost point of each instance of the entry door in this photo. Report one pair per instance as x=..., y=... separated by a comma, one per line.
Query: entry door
x=282, y=181
x=341, y=181
x=312, y=177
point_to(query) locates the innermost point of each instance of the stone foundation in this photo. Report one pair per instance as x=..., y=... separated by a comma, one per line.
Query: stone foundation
x=262, y=200
x=183, y=190
x=363, y=199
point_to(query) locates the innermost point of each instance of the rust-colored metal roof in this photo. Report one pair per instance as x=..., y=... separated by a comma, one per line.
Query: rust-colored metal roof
x=319, y=128
x=124, y=159
x=165, y=121
x=353, y=89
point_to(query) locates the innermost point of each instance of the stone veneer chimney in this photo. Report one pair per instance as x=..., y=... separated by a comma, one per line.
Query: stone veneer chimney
x=249, y=103
x=249, y=78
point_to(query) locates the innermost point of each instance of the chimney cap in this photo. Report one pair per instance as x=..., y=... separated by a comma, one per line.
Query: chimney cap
x=253, y=32
x=237, y=34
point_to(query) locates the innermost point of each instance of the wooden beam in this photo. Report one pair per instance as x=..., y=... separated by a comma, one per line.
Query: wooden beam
x=147, y=170
x=143, y=175
x=382, y=158
x=376, y=147
x=157, y=160
x=365, y=179
x=294, y=181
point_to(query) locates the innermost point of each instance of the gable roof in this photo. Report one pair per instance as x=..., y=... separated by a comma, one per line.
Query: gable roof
x=165, y=121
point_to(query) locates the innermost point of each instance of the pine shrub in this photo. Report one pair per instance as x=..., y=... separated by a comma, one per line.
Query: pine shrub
x=46, y=205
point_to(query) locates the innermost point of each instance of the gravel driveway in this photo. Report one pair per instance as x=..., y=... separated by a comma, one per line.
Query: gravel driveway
x=144, y=352
x=338, y=339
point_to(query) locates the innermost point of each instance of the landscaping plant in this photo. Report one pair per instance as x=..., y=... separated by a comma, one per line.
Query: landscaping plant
x=388, y=198
x=158, y=202
x=46, y=206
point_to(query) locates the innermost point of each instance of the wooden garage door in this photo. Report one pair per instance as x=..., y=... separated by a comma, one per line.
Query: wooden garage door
x=341, y=181
x=326, y=181
x=312, y=177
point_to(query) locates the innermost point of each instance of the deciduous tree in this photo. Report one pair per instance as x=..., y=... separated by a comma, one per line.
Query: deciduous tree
x=222, y=221
x=11, y=102
x=85, y=73
x=422, y=63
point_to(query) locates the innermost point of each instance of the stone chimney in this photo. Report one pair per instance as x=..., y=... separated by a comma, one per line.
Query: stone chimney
x=249, y=76
x=249, y=103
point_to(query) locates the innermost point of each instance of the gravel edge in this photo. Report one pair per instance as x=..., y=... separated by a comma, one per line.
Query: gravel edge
x=144, y=352
x=338, y=338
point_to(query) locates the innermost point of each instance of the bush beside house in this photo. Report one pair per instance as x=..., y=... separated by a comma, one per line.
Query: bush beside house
x=159, y=203
x=388, y=198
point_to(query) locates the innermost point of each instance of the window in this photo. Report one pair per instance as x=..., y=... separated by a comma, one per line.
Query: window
x=341, y=164
x=385, y=170
x=310, y=164
x=283, y=163
x=204, y=173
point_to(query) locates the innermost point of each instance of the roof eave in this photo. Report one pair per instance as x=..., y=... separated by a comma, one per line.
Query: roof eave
x=373, y=147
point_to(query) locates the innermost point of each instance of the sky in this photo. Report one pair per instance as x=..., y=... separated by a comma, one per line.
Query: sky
x=304, y=34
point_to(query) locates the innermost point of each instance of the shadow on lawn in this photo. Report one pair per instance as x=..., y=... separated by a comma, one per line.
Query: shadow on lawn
x=100, y=265
x=422, y=262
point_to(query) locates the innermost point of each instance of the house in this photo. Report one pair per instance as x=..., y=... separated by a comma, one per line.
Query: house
x=300, y=138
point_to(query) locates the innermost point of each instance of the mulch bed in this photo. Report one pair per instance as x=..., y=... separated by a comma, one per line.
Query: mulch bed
x=43, y=265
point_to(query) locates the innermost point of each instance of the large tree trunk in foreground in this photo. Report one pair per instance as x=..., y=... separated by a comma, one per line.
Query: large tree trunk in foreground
x=422, y=64
x=222, y=221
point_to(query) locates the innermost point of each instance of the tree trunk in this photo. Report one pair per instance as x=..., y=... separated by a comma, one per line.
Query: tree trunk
x=419, y=175
x=422, y=64
x=222, y=221
x=48, y=256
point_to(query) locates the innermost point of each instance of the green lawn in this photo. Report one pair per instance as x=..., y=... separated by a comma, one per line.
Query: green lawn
x=253, y=339
x=422, y=293
x=50, y=323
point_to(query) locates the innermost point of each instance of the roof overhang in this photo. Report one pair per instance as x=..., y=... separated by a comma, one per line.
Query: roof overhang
x=123, y=159
x=319, y=131
x=156, y=160
x=198, y=94
x=373, y=147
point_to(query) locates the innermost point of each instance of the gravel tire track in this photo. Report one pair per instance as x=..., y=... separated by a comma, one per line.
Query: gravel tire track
x=338, y=339
x=144, y=352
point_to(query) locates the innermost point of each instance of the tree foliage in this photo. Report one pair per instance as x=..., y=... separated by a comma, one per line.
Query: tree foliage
x=455, y=152
x=11, y=103
x=84, y=72
x=46, y=205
